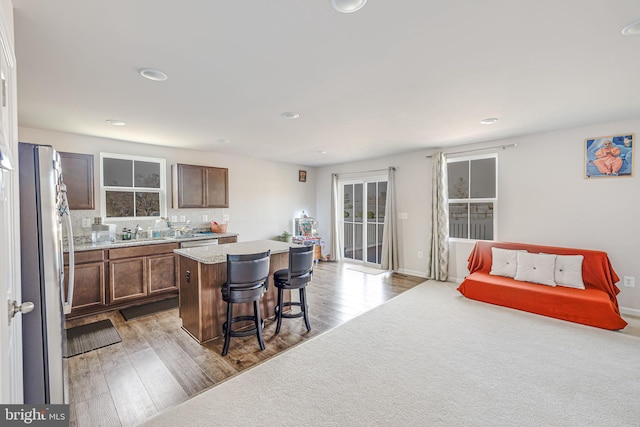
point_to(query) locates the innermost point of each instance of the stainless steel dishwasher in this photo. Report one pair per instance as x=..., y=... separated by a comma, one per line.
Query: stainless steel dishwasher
x=196, y=243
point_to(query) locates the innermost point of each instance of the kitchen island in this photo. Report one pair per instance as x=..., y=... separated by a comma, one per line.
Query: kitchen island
x=203, y=271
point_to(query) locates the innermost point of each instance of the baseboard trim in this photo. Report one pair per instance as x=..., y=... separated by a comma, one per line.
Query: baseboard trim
x=422, y=274
x=630, y=311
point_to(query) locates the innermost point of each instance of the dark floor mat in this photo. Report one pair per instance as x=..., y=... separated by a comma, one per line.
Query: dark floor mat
x=84, y=338
x=150, y=308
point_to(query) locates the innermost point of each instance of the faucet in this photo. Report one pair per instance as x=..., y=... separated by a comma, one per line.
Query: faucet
x=137, y=231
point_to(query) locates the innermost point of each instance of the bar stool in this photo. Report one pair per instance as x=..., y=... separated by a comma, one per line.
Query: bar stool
x=297, y=276
x=247, y=281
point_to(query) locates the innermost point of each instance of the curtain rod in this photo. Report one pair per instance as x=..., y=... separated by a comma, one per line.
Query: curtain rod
x=479, y=149
x=375, y=170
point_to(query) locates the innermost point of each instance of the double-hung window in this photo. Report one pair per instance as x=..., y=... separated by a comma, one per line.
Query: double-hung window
x=473, y=197
x=132, y=186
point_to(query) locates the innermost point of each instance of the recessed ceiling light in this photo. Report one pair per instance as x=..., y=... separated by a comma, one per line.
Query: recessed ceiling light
x=151, y=74
x=322, y=152
x=116, y=122
x=224, y=141
x=290, y=115
x=489, y=121
x=632, y=29
x=348, y=6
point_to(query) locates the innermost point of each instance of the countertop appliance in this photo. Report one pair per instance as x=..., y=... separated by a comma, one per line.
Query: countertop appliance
x=43, y=209
x=196, y=243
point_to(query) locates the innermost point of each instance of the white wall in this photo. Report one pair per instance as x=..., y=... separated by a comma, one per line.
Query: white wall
x=264, y=196
x=543, y=199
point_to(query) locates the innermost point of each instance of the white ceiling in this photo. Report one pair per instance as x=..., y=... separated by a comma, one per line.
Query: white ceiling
x=397, y=76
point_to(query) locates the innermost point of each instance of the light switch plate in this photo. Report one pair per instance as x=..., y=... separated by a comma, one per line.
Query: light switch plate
x=86, y=222
x=225, y=218
x=205, y=218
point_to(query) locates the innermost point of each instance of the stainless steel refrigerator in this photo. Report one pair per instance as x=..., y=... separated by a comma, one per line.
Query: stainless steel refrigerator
x=43, y=211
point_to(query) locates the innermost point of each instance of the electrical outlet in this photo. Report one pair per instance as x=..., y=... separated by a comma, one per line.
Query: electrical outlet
x=183, y=218
x=629, y=281
x=403, y=215
x=420, y=254
x=86, y=222
x=225, y=218
x=174, y=218
x=205, y=218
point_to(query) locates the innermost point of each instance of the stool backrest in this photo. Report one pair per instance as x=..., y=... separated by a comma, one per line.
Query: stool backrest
x=300, y=265
x=248, y=270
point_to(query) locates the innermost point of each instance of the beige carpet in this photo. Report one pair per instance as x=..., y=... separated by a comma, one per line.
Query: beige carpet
x=431, y=357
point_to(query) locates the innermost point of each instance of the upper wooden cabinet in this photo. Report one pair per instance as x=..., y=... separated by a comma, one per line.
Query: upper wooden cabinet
x=77, y=172
x=200, y=186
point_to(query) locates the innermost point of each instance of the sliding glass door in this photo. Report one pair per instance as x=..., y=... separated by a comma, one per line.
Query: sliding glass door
x=364, y=203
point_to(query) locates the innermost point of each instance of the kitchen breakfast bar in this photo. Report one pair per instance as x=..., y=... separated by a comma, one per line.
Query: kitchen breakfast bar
x=203, y=271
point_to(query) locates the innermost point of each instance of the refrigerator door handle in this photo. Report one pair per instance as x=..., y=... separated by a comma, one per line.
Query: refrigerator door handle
x=67, y=303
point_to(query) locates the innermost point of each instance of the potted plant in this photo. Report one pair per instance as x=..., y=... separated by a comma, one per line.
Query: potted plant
x=286, y=236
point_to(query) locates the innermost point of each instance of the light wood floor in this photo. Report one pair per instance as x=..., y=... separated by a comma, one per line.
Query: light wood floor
x=158, y=365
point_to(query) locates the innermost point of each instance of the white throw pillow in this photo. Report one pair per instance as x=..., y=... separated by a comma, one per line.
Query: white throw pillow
x=504, y=262
x=536, y=268
x=568, y=271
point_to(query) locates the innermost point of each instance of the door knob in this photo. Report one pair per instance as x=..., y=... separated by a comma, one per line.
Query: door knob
x=24, y=308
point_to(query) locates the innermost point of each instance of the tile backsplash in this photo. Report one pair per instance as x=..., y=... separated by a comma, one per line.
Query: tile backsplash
x=194, y=217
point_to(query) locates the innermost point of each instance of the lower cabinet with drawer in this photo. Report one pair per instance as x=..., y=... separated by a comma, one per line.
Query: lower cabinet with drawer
x=142, y=271
x=89, y=282
x=111, y=279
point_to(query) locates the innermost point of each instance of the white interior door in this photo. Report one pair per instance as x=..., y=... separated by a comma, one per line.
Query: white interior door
x=10, y=328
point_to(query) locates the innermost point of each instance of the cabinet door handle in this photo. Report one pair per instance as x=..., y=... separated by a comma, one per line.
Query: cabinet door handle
x=188, y=276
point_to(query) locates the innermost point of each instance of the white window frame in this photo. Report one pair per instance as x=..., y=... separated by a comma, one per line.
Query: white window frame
x=477, y=200
x=162, y=190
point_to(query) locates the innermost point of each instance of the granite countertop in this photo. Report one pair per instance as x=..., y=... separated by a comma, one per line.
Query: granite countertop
x=216, y=254
x=79, y=247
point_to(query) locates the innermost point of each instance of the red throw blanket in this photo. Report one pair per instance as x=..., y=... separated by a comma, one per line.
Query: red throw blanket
x=596, y=305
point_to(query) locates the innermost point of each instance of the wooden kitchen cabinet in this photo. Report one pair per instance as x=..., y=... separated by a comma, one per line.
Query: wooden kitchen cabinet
x=127, y=279
x=89, y=282
x=231, y=239
x=112, y=279
x=161, y=273
x=141, y=271
x=77, y=172
x=200, y=186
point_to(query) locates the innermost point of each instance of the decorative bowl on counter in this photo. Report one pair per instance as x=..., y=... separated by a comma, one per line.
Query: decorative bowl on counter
x=218, y=228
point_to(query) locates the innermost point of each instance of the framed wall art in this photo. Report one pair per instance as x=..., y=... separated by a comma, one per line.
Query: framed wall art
x=302, y=176
x=608, y=156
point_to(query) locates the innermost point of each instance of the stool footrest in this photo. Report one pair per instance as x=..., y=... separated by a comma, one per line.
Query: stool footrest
x=243, y=332
x=290, y=315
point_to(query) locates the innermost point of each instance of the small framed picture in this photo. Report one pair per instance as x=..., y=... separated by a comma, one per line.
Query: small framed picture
x=302, y=176
x=608, y=156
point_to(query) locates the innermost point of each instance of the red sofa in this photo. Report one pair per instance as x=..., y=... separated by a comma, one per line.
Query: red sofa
x=596, y=305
